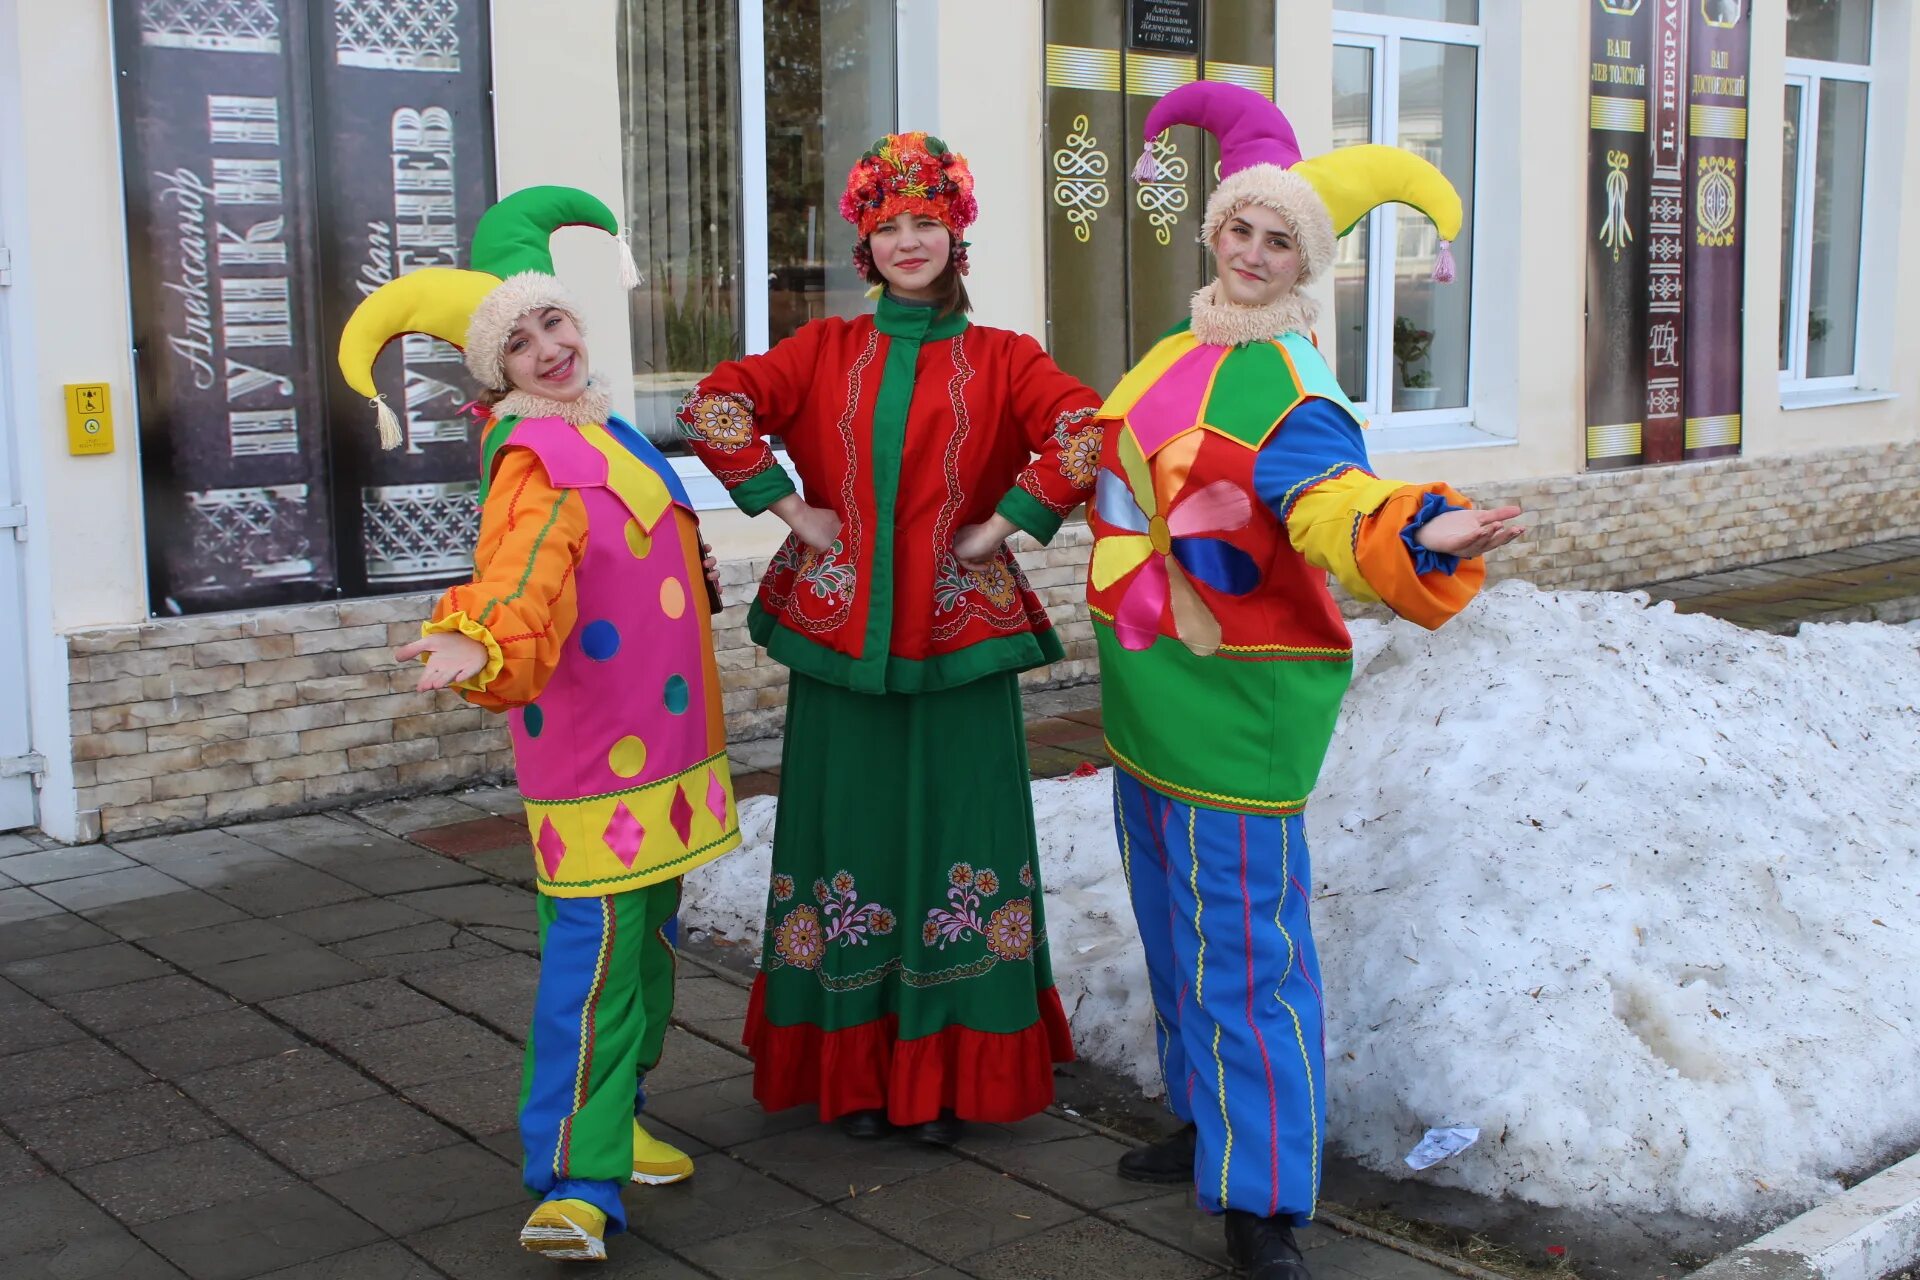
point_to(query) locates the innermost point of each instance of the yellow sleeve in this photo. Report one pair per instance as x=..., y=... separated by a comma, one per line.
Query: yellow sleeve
x=1350, y=526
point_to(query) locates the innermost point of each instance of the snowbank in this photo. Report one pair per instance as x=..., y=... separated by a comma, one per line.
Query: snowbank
x=1636, y=893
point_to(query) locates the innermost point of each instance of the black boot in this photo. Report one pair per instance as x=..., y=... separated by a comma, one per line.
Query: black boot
x=865, y=1124
x=1168, y=1160
x=943, y=1132
x=1264, y=1247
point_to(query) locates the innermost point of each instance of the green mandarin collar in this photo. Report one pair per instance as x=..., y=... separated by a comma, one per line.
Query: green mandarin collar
x=919, y=322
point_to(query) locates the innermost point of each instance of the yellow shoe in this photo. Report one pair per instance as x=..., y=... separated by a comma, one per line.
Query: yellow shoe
x=657, y=1163
x=566, y=1231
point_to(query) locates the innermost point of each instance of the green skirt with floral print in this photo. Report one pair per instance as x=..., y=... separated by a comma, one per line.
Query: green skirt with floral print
x=905, y=963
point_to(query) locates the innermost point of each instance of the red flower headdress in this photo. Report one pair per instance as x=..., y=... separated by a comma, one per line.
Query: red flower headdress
x=909, y=173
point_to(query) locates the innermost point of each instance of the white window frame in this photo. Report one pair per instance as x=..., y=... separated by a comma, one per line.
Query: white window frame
x=1807, y=74
x=1421, y=429
x=916, y=99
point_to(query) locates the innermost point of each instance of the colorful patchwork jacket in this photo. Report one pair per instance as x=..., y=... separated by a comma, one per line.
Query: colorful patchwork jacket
x=909, y=427
x=588, y=594
x=1232, y=481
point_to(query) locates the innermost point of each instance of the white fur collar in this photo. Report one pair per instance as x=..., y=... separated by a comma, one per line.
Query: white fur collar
x=592, y=406
x=1228, y=324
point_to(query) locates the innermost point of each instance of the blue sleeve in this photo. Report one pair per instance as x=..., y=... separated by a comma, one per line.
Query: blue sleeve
x=1316, y=441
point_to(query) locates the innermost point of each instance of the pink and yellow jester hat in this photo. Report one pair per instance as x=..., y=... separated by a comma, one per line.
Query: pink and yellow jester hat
x=474, y=310
x=1260, y=163
x=910, y=173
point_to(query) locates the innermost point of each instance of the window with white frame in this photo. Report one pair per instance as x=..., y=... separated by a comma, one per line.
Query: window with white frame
x=1407, y=73
x=740, y=121
x=1824, y=189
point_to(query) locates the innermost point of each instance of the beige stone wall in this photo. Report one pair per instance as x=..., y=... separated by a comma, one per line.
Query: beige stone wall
x=181, y=722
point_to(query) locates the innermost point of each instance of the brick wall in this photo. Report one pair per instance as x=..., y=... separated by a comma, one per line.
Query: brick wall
x=190, y=721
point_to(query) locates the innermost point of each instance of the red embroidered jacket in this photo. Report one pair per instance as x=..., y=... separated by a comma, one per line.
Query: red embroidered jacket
x=909, y=427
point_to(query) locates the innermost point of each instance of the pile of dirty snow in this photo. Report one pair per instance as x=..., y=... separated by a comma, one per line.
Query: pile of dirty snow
x=1635, y=893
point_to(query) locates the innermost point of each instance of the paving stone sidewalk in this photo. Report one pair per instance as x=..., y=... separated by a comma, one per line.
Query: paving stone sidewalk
x=291, y=1049
x=1879, y=582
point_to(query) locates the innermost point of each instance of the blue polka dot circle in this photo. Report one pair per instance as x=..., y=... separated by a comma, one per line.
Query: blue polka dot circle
x=600, y=640
x=533, y=719
x=676, y=695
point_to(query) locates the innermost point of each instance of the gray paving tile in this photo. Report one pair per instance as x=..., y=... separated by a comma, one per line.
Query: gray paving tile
x=476, y=904
x=688, y=1060
x=266, y=891
x=960, y=1210
x=402, y=817
x=46, y=865
x=139, y=1004
x=239, y=939
x=487, y=1248
x=112, y=888
x=723, y=1197
x=356, y=919
x=26, y=1023
x=498, y=990
x=356, y=853
x=349, y=1137
x=985, y=1140
x=247, y=1238
x=1078, y=1169
x=17, y=1163
x=336, y=1013
x=503, y=802
x=169, y=913
x=702, y=999
x=284, y=973
x=430, y=1051
x=1347, y=1258
x=70, y=971
x=23, y=904
x=185, y=847
x=818, y=1243
x=1174, y=1218
x=188, y=1046
x=525, y=941
x=723, y=1113
x=288, y=1084
x=77, y=1069
x=484, y=1103
x=175, y=1180
x=51, y=934
x=417, y=948
x=830, y=1166
x=87, y=1131
x=1088, y=1249
x=47, y=1229
x=418, y=1192
x=383, y=1261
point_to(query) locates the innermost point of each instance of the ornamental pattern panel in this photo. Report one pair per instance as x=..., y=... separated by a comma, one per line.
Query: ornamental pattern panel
x=223, y=26
x=397, y=35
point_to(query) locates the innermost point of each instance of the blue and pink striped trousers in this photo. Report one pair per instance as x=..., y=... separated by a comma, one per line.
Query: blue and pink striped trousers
x=1222, y=902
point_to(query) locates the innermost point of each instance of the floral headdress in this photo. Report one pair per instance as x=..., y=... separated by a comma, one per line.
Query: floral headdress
x=909, y=173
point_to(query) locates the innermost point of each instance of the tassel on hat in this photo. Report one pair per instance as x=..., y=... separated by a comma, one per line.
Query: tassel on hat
x=630, y=277
x=1147, y=167
x=389, y=423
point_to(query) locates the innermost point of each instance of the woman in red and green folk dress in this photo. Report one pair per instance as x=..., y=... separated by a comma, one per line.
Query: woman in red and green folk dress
x=905, y=979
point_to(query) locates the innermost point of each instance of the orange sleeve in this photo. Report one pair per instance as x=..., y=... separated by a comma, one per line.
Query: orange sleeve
x=1381, y=555
x=521, y=603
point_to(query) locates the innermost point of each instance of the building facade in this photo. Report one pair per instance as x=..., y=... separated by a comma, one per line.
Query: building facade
x=1680, y=331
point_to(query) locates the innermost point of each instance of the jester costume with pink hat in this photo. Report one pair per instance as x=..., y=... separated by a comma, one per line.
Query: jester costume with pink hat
x=1233, y=479
x=589, y=605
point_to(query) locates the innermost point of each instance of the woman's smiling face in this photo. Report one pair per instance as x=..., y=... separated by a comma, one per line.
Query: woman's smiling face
x=1256, y=256
x=546, y=356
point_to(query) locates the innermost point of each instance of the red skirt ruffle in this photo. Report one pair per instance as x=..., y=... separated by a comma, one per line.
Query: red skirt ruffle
x=988, y=1076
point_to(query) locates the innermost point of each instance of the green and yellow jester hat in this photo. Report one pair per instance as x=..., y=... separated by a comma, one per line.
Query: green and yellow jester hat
x=512, y=274
x=1260, y=163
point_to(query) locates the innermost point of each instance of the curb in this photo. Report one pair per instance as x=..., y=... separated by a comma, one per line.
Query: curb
x=1861, y=1234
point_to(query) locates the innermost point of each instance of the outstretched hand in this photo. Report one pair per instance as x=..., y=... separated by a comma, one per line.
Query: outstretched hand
x=451, y=658
x=1471, y=533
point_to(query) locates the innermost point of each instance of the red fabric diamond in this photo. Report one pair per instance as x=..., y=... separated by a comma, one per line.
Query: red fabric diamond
x=625, y=835
x=552, y=847
x=681, y=814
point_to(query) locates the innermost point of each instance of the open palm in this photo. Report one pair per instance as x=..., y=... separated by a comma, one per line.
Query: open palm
x=1471, y=533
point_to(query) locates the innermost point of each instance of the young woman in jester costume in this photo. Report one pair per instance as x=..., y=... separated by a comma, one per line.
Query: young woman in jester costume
x=587, y=622
x=1233, y=480
x=905, y=979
